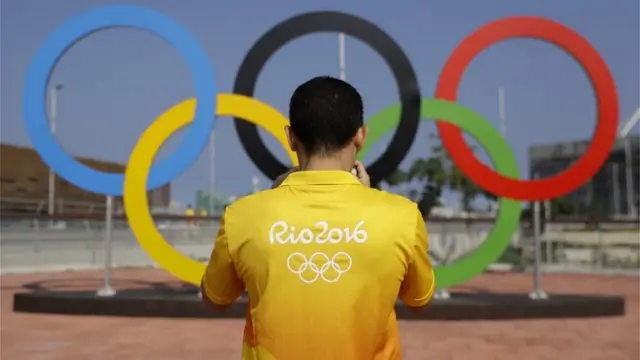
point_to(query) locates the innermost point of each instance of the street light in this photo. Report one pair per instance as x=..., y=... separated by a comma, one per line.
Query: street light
x=53, y=110
x=342, y=67
x=502, y=112
x=212, y=173
x=624, y=134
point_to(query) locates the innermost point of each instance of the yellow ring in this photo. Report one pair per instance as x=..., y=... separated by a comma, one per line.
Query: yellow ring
x=146, y=149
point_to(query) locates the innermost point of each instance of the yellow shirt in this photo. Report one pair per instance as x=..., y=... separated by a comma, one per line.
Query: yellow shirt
x=189, y=212
x=323, y=260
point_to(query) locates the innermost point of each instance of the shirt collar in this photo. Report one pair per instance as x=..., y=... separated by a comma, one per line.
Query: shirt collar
x=326, y=177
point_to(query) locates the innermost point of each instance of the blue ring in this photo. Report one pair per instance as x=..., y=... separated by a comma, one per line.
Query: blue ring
x=83, y=25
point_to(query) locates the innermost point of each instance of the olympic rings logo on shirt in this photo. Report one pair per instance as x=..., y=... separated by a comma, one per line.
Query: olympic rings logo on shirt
x=248, y=112
x=301, y=266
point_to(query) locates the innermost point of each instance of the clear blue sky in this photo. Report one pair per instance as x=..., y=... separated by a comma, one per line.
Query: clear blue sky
x=117, y=81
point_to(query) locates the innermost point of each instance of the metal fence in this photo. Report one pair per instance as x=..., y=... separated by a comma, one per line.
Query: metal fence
x=61, y=206
x=32, y=242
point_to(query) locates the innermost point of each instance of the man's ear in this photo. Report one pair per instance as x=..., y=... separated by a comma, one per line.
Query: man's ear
x=361, y=137
x=291, y=138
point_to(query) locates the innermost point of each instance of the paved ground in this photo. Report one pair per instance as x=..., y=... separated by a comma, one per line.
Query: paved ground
x=49, y=337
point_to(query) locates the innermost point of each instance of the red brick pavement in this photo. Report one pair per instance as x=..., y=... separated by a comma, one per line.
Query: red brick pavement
x=49, y=337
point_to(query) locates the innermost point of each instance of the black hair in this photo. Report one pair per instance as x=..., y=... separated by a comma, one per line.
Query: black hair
x=325, y=113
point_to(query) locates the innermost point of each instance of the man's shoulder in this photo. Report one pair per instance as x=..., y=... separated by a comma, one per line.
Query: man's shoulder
x=252, y=201
x=391, y=199
x=398, y=213
x=262, y=199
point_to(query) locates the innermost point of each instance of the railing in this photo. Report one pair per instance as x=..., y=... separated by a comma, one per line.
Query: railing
x=75, y=241
x=61, y=206
x=41, y=243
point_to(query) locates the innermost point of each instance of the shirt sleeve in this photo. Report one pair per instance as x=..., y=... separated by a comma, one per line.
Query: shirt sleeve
x=419, y=281
x=220, y=282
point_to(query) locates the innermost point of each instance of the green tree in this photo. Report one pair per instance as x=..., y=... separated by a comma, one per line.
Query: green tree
x=467, y=190
x=429, y=175
x=564, y=206
x=560, y=207
x=433, y=175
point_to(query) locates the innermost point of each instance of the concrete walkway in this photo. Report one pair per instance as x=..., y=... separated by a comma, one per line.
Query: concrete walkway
x=52, y=337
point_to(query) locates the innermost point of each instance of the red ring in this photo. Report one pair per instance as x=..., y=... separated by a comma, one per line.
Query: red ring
x=606, y=97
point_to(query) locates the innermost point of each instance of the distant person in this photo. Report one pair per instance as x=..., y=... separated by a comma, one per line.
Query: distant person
x=202, y=212
x=188, y=212
x=322, y=255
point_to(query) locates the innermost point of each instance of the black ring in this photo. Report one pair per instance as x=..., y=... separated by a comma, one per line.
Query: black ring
x=351, y=25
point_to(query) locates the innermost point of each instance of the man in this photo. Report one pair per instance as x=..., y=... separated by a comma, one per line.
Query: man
x=322, y=256
x=188, y=212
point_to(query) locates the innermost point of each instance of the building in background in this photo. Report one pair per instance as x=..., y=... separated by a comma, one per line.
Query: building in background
x=213, y=208
x=606, y=193
x=24, y=185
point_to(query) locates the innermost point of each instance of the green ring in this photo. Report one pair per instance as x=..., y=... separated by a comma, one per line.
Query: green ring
x=501, y=155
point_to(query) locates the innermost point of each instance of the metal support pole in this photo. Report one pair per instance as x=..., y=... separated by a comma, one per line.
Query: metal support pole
x=548, y=242
x=212, y=174
x=502, y=112
x=255, y=181
x=616, y=189
x=341, y=57
x=631, y=208
x=107, y=290
x=53, y=112
x=537, y=293
x=443, y=294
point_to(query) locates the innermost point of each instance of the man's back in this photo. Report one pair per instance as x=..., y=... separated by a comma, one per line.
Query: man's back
x=324, y=259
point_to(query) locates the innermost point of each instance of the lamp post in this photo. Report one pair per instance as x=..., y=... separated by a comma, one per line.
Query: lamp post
x=628, y=168
x=341, y=57
x=53, y=112
x=502, y=112
x=212, y=174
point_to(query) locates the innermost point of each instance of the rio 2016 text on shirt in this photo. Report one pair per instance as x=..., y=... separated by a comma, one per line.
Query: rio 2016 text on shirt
x=282, y=233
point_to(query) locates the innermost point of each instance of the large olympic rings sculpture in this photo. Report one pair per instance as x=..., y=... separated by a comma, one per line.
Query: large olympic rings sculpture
x=452, y=118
